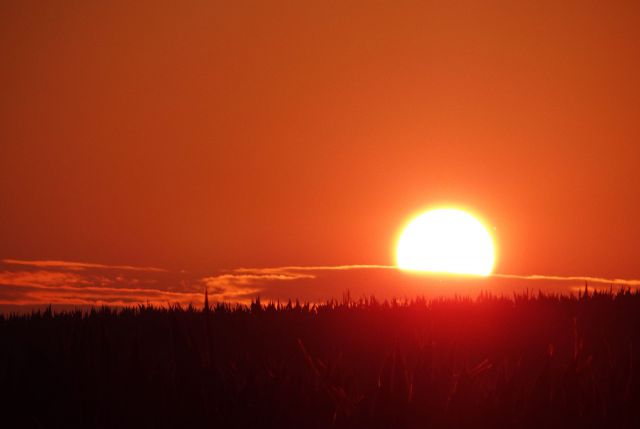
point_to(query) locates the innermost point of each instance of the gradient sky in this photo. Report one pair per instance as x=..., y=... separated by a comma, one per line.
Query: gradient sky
x=205, y=135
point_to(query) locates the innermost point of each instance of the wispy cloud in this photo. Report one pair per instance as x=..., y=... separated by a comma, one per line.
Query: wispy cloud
x=47, y=278
x=243, y=287
x=93, y=295
x=36, y=283
x=599, y=280
x=78, y=266
x=289, y=268
x=535, y=277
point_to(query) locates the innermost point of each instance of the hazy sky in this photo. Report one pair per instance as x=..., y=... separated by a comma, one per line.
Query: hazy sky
x=203, y=135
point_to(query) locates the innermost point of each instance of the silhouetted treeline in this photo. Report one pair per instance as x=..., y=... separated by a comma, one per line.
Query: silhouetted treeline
x=531, y=361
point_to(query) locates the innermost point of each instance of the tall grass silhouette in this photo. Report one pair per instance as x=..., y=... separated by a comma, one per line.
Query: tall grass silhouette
x=530, y=360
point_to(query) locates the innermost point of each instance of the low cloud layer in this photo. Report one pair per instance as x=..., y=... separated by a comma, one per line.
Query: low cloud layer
x=31, y=284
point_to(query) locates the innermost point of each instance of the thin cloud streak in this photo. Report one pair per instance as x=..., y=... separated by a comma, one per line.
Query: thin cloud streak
x=602, y=280
x=108, y=290
x=288, y=269
x=79, y=265
x=314, y=268
x=250, y=278
x=50, y=287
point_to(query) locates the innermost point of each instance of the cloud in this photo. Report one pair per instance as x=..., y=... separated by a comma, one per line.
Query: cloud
x=320, y=268
x=600, y=280
x=289, y=268
x=244, y=287
x=320, y=283
x=32, y=284
x=78, y=266
x=91, y=295
x=244, y=284
x=39, y=283
x=45, y=278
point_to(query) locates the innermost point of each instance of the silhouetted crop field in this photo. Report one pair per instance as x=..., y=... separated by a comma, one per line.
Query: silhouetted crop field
x=530, y=361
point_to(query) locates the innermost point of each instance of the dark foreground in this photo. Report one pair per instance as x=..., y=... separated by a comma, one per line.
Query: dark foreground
x=528, y=362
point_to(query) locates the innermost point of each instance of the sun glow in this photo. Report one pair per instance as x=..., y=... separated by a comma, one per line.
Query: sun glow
x=446, y=241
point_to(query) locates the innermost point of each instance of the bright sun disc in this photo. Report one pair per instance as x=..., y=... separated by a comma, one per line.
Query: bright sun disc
x=446, y=241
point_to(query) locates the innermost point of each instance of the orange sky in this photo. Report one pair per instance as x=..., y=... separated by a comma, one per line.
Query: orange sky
x=209, y=135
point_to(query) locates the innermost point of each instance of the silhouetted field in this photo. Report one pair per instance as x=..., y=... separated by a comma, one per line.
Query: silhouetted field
x=531, y=361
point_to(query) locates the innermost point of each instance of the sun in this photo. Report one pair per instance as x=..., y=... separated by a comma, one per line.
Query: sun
x=446, y=241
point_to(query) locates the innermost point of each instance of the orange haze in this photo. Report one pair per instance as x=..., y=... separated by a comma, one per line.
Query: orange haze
x=207, y=135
